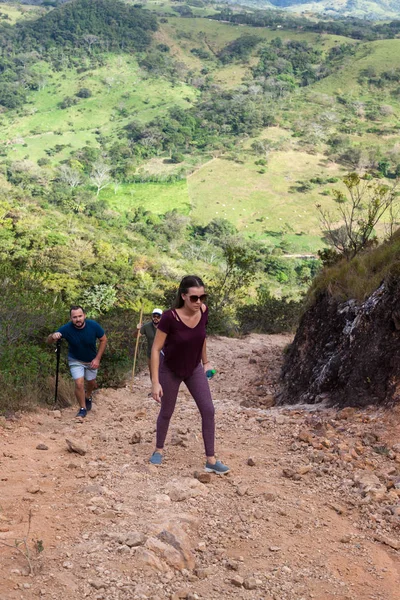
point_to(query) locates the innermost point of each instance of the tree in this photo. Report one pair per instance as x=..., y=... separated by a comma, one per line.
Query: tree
x=100, y=175
x=262, y=147
x=352, y=229
x=70, y=176
x=238, y=271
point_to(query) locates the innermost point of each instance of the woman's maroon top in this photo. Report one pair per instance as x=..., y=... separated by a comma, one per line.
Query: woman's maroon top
x=184, y=345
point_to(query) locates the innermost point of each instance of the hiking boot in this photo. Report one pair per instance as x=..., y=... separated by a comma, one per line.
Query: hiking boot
x=88, y=402
x=219, y=468
x=156, y=458
x=82, y=412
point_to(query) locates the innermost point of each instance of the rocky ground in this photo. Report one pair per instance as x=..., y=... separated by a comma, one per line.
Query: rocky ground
x=311, y=508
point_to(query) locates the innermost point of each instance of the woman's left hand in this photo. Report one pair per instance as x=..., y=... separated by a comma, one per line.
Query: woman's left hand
x=207, y=366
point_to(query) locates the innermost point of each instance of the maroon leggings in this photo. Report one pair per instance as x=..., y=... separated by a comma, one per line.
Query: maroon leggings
x=197, y=385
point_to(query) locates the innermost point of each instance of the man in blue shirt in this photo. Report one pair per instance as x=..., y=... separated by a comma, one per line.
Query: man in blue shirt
x=83, y=356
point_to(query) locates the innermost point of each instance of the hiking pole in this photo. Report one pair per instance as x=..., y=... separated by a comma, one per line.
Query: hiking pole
x=58, y=352
x=137, y=344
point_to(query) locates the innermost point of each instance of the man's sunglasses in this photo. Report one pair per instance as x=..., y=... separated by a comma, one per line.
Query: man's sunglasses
x=156, y=316
x=193, y=298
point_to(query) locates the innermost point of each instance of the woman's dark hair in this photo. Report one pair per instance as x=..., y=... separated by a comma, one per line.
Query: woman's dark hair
x=186, y=283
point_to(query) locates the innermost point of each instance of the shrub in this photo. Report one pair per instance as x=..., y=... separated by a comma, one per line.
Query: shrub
x=84, y=93
x=269, y=314
x=177, y=157
x=67, y=102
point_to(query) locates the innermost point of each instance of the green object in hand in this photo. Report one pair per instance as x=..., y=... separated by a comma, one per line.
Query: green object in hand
x=210, y=373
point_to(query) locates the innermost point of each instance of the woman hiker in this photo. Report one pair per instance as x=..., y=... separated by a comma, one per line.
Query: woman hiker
x=179, y=354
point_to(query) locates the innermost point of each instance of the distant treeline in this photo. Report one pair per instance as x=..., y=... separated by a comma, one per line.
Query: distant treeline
x=349, y=27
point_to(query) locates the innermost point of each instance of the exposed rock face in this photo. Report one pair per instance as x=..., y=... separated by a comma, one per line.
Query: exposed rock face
x=346, y=354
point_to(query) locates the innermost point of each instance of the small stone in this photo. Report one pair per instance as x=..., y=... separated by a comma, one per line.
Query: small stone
x=232, y=564
x=96, y=584
x=202, y=477
x=346, y=413
x=56, y=414
x=177, y=440
x=291, y=474
x=250, y=583
x=98, y=501
x=274, y=549
x=203, y=573
x=134, y=539
x=136, y=437
x=237, y=581
x=304, y=469
x=182, y=593
x=345, y=539
x=33, y=489
x=305, y=436
x=251, y=462
x=74, y=446
x=68, y=565
x=269, y=496
x=42, y=447
x=392, y=543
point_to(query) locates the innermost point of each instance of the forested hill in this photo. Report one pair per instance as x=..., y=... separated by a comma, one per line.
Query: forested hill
x=111, y=24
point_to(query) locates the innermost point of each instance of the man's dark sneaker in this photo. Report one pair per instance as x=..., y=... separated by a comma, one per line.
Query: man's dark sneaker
x=82, y=412
x=89, y=403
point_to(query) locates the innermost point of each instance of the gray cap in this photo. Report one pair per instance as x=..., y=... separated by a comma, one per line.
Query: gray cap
x=157, y=311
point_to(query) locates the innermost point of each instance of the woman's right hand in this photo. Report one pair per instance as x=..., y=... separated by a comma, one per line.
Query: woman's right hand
x=156, y=392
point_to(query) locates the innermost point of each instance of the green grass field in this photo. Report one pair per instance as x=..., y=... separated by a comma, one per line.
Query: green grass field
x=119, y=85
x=12, y=13
x=382, y=55
x=155, y=197
x=262, y=204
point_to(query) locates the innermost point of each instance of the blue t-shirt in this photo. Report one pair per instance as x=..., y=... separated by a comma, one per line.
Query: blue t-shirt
x=82, y=342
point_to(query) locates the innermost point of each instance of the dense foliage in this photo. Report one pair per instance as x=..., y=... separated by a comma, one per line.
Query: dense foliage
x=112, y=24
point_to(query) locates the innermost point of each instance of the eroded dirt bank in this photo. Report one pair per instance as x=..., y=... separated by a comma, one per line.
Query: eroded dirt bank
x=310, y=509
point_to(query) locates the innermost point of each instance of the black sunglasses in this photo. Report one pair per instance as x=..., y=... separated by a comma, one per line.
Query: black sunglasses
x=193, y=298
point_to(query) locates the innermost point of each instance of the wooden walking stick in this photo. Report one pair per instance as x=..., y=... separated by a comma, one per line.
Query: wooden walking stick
x=137, y=345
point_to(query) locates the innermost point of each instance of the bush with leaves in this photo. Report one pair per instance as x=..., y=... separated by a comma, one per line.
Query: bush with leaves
x=269, y=314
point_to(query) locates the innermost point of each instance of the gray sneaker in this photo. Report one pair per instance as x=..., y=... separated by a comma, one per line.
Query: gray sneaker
x=219, y=468
x=156, y=458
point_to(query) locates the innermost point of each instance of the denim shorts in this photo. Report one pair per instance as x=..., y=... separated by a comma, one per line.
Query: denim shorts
x=79, y=369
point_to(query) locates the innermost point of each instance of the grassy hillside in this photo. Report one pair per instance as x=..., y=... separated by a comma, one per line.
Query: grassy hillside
x=119, y=86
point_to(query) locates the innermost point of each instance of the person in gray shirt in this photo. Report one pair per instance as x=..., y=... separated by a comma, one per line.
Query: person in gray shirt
x=149, y=330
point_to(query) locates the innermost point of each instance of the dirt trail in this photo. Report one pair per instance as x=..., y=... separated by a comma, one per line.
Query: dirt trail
x=311, y=508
